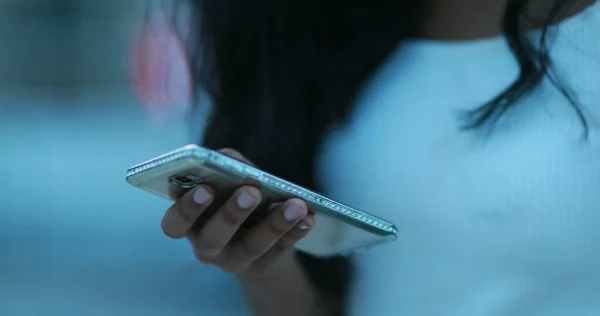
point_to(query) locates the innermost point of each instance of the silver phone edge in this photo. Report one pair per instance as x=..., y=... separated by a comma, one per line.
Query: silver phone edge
x=332, y=208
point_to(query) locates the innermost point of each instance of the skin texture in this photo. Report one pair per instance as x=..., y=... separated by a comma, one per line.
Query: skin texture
x=262, y=257
x=218, y=239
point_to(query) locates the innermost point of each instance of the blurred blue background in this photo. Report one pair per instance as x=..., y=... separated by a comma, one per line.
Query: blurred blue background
x=75, y=239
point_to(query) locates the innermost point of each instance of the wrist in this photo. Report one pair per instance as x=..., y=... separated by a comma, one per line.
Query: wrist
x=286, y=267
x=284, y=286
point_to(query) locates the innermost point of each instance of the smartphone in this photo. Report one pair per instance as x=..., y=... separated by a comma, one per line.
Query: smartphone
x=340, y=229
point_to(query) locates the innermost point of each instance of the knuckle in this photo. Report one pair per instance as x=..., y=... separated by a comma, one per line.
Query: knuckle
x=181, y=210
x=283, y=245
x=202, y=258
x=247, y=251
x=275, y=227
x=207, y=247
x=230, y=217
x=186, y=215
x=187, y=210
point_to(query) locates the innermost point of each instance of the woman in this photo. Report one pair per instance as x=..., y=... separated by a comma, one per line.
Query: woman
x=472, y=125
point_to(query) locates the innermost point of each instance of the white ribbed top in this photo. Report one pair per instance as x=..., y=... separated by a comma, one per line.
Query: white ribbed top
x=504, y=226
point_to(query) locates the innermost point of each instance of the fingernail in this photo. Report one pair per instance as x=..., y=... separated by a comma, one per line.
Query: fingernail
x=245, y=200
x=201, y=196
x=303, y=226
x=292, y=212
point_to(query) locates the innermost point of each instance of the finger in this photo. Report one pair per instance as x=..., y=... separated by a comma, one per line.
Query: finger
x=199, y=254
x=180, y=217
x=223, y=225
x=265, y=234
x=283, y=246
x=289, y=240
x=235, y=155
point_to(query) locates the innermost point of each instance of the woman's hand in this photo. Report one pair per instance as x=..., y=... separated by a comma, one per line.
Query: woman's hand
x=219, y=240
